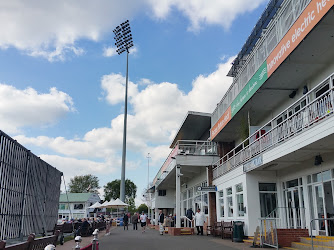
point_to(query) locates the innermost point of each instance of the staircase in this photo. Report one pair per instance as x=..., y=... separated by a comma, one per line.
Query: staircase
x=319, y=242
x=186, y=231
x=250, y=240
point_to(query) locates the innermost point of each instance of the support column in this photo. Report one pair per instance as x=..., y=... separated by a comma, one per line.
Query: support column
x=149, y=207
x=178, y=196
x=156, y=216
x=212, y=199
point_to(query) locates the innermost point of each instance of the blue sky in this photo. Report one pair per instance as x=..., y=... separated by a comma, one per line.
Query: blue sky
x=62, y=84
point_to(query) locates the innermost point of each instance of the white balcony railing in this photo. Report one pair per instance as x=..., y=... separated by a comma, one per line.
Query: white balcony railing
x=288, y=13
x=293, y=120
x=185, y=147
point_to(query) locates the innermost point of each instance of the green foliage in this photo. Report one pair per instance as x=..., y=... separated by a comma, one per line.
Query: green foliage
x=132, y=206
x=142, y=208
x=112, y=191
x=84, y=184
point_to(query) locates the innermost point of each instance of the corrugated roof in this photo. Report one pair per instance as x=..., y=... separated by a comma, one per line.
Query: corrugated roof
x=75, y=197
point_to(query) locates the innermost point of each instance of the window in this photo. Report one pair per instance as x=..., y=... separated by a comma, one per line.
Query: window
x=205, y=204
x=78, y=206
x=268, y=198
x=63, y=206
x=162, y=192
x=229, y=201
x=240, y=199
x=322, y=90
x=221, y=203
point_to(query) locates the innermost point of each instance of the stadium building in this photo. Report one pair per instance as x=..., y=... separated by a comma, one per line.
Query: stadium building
x=272, y=132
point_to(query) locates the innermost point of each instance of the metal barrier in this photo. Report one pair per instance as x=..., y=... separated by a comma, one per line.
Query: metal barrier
x=29, y=189
x=269, y=232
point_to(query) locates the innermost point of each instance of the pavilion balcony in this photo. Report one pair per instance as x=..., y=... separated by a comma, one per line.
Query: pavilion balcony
x=308, y=112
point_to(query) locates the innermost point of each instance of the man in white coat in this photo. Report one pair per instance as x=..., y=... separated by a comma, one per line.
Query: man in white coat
x=199, y=221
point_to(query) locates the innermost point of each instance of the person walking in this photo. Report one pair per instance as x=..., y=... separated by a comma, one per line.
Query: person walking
x=190, y=213
x=143, y=218
x=126, y=221
x=161, y=222
x=134, y=220
x=199, y=220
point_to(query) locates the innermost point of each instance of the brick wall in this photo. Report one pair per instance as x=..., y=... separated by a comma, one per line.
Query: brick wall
x=287, y=236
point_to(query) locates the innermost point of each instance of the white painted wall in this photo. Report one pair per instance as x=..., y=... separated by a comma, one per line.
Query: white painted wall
x=167, y=201
x=253, y=197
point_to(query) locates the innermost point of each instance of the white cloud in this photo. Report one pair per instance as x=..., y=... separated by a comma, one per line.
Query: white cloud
x=203, y=12
x=109, y=51
x=21, y=108
x=73, y=166
x=52, y=29
x=157, y=112
x=113, y=87
x=145, y=81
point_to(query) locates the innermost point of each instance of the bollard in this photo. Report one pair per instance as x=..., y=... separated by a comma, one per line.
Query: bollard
x=77, y=240
x=95, y=240
x=50, y=247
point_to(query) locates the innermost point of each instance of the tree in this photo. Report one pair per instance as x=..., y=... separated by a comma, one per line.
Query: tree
x=142, y=207
x=84, y=184
x=112, y=190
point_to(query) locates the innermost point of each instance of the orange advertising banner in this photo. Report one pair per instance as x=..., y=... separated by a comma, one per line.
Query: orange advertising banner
x=303, y=25
x=221, y=123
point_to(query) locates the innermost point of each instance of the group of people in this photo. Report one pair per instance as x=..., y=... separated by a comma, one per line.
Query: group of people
x=135, y=218
x=199, y=218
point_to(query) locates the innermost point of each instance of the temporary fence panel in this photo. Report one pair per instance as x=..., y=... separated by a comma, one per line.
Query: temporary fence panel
x=29, y=191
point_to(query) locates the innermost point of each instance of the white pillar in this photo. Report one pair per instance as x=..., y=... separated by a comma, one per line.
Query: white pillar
x=156, y=216
x=178, y=190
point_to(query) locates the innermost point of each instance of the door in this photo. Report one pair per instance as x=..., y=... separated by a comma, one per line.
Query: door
x=319, y=208
x=295, y=209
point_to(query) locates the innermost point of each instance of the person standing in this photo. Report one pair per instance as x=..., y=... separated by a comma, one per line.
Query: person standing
x=161, y=222
x=134, y=220
x=126, y=221
x=143, y=218
x=199, y=220
x=190, y=214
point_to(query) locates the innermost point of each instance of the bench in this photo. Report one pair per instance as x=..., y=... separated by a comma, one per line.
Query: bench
x=66, y=228
x=215, y=229
x=32, y=243
x=227, y=230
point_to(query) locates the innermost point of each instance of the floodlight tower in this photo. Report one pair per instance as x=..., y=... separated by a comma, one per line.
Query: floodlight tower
x=124, y=42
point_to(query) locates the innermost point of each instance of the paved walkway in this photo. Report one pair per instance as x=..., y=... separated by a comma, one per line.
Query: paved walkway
x=130, y=239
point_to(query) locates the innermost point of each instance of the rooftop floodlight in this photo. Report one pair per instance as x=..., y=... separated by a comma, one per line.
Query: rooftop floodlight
x=123, y=43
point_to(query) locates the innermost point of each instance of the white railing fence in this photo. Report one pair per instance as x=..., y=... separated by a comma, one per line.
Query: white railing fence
x=293, y=122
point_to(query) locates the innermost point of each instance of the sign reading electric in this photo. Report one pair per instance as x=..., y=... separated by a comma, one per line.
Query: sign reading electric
x=303, y=25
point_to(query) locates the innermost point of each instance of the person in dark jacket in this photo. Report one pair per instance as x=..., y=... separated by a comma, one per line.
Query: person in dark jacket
x=126, y=221
x=161, y=222
x=190, y=213
x=134, y=220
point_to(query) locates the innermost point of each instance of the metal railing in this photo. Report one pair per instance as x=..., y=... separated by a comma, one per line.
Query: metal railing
x=279, y=25
x=292, y=122
x=288, y=217
x=280, y=217
x=311, y=226
x=185, y=147
x=191, y=147
x=189, y=221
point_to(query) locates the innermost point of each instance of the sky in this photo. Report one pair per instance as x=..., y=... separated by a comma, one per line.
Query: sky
x=62, y=84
